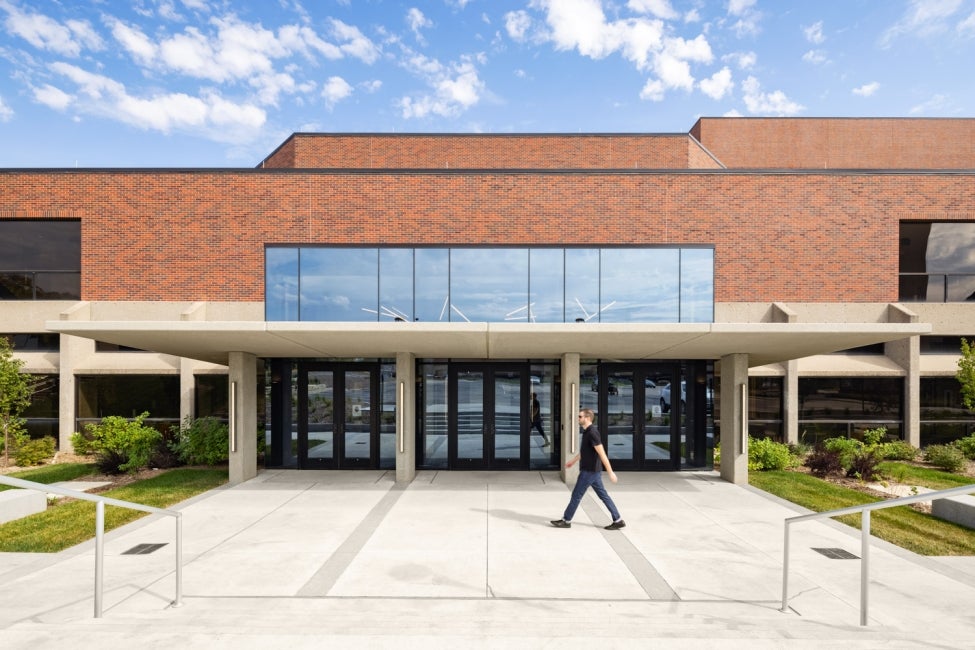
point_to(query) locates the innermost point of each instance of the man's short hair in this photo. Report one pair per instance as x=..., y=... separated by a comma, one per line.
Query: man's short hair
x=588, y=413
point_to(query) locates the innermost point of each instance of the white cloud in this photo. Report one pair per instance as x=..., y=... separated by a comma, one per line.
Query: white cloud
x=814, y=33
x=748, y=17
x=517, y=24
x=335, y=90
x=761, y=103
x=740, y=7
x=867, y=90
x=653, y=90
x=718, y=85
x=658, y=8
x=744, y=60
x=52, y=97
x=134, y=41
x=456, y=88
x=924, y=18
x=354, y=43
x=967, y=26
x=6, y=113
x=45, y=33
x=815, y=57
x=417, y=21
x=209, y=115
x=371, y=86
x=937, y=104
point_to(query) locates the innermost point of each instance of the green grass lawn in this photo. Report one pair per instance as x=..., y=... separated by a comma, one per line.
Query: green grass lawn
x=907, y=528
x=53, y=473
x=68, y=524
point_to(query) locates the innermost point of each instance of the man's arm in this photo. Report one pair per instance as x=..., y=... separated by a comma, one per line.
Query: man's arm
x=605, y=460
x=572, y=461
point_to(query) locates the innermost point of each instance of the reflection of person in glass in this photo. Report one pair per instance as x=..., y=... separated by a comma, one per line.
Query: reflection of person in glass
x=592, y=459
x=537, y=419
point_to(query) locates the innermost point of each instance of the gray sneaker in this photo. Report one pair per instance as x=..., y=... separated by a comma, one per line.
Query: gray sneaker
x=561, y=523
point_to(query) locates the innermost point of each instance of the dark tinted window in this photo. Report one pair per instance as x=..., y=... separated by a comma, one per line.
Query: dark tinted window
x=34, y=342
x=100, y=396
x=850, y=398
x=944, y=344
x=40, y=260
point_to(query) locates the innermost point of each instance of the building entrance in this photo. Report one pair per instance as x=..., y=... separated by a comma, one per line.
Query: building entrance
x=649, y=418
x=337, y=425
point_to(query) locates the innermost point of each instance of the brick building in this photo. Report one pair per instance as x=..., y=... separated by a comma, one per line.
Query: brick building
x=395, y=301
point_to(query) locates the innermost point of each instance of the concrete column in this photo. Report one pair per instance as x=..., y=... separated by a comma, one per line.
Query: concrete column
x=242, y=393
x=907, y=354
x=187, y=379
x=734, y=418
x=570, y=421
x=405, y=417
x=73, y=351
x=790, y=402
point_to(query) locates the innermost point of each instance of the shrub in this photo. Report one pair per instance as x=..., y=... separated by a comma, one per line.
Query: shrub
x=967, y=446
x=121, y=445
x=766, y=454
x=897, y=450
x=823, y=462
x=203, y=441
x=35, y=452
x=846, y=448
x=873, y=437
x=863, y=464
x=948, y=457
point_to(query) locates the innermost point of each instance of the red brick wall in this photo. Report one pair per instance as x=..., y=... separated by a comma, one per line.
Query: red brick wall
x=839, y=143
x=200, y=235
x=474, y=151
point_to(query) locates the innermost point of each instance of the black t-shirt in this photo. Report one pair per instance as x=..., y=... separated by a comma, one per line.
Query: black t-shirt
x=588, y=458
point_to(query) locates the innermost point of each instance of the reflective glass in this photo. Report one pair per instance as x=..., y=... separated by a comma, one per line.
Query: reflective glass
x=433, y=384
x=281, y=284
x=357, y=428
x=396, y=284
x=507, y=415
x=697, y=285
x=432, y=288
x=639, y=285
x=387, y=418
x=581, y=285
x=470, y=415
x=620, y=427
x=488, y=284
x=40, y=245
x=546, y=286
x=339, y=284
x=950, y=248
x=960, y=288
x=941, y=400
x=321, y=414
x=765, y=398
x=851, y=398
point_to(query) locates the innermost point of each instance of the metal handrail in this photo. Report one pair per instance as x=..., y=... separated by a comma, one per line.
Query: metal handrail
x=100, y=502
x=865, y=509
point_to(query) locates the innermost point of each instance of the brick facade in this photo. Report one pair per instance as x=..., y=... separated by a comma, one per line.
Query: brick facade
x=200, y=235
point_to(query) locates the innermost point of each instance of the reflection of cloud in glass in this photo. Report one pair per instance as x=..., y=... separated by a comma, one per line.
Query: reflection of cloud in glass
x=951, y=248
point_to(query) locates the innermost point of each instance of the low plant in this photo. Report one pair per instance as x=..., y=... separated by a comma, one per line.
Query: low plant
x=203, y=441
x=967, y=446
x=947, y=457
x=765, y=454
x=823, y=462
x=863, y=464
x=897, y=450
x=35, y=452
x=119, y=445
x=845, y=448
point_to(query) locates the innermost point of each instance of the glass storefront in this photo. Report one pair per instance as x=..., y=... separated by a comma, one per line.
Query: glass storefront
x=944, y=418
x=845, y=407
x=99, y=396
x=502, y=284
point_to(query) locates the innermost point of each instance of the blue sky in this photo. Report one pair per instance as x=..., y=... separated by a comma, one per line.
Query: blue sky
x=212, y=83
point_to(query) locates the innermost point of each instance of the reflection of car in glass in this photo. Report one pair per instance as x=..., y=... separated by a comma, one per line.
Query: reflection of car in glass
x=610, y=387
x=665, y=398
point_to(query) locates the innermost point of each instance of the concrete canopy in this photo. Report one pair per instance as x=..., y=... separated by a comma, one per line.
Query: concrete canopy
x=764, y=343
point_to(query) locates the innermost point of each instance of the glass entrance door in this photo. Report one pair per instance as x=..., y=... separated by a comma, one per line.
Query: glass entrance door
x=336, y=424
x=490, y=416
x=637, y=432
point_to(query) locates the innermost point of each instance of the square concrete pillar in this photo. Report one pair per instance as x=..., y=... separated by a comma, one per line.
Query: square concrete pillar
x=570, y=421
x=734, y=418
x=242, y=394
x=405, y=417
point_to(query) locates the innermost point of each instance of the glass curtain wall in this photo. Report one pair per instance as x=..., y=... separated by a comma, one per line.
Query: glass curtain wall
x=838, y=407
x=500, y=284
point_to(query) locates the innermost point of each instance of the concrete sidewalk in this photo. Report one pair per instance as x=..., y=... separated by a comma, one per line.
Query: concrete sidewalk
x=302, y=559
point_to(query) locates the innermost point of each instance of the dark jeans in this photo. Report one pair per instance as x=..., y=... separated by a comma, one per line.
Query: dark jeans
x=587, y=480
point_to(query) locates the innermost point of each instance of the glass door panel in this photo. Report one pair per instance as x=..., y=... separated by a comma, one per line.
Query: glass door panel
x=320, y=421
x=357, y=417
x=469, y=441
x=621, y=410
x=508, y=429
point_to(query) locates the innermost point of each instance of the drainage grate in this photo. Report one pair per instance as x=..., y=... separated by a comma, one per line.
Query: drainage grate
x=836, y=554
x=143, y=549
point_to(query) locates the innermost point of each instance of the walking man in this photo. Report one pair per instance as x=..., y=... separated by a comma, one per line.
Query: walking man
x=592, y=458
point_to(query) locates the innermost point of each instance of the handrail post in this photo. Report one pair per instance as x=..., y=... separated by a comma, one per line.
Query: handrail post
x=179, y=560
x=864, y=566
x=99, y=555
x=785, y=570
